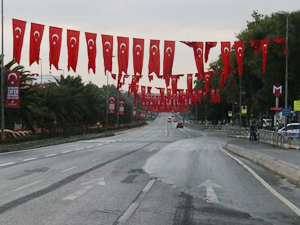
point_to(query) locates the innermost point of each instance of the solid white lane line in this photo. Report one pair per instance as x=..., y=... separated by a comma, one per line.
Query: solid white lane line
x=265, y=184
x=94, y=160
x=28, y=185
x=66, y=152
x=78, y=193
x=126, y=215
x=29, y=159
x=149, y=186
x=112, y=153
x=51, y=155
x=79, y=149
x=7, y=164
x=66, y=170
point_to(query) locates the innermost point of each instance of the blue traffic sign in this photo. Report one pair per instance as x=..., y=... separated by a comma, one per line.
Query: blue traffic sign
x=286, y=112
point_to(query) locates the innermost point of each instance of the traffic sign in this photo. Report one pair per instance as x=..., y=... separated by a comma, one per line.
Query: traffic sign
x=244, y=109
x=297, y=105
x=286, y=112
x=277, y=90
x=277, y=109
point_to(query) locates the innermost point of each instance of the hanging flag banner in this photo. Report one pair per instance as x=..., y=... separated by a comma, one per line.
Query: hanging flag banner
x=169, y=50
x=111, y=105
x=36, y=35
x=255, y=44
x=264, y=47
x=208, y=46
x=121, y=108
x=91, y=50
x=13, y=89
x=138, y=55
x=73, y=47
x=281, y=41
x=107, y=46
x=154, y=58
x=18, y=31
x=239, y=47
x=55, y=35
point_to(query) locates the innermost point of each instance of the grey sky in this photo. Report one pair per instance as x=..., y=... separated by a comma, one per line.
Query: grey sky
x=190, y=20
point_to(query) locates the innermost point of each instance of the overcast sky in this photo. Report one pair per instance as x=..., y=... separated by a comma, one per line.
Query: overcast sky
x=189, y=20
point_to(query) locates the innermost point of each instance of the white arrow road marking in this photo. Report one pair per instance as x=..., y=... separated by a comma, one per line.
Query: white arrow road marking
x=88, y=185
x=210, y=193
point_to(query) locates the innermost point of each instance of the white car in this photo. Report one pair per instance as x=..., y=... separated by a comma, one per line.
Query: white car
x=169, y=119
x=292, y=129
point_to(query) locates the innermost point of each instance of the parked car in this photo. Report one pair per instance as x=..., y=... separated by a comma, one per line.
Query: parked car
x=179, y=124
x=292, y=129
x=267, y=123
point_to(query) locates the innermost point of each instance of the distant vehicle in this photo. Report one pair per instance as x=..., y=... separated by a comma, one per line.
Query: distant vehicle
x=169, y=119
x=174, y=119
x=267, y=123
x=292, y=130
x=179, y=124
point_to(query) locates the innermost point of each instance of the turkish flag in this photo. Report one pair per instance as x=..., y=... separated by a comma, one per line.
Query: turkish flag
x=200, y=95
x=281, y=41
x=55, y=35
x=213, y=96
x=194, y=97
x=264, y=48
x=143, y=95
x=138, y=55
x=149, y=90
x=162, y=93
x=123, y=54
x=255, y=44
x=208, y=46
x=239, y=47
x=73, y=47
x=107, y=46
x=154, y=58
x=114, y=76
x=189, y=80
x=91, y=50
x=174, y=80
x=198, y=55
x=36, y=35
x=19, y=27
x=207, y=78
x=225, y=54
x=133, y=83
x=169, y=50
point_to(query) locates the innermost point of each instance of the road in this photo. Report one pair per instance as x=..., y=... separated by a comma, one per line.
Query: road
x=156, y=174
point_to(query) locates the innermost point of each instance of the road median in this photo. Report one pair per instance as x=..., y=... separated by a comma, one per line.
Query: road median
x=286, y=170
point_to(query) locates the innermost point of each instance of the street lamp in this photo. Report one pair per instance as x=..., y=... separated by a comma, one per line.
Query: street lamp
x=286, y=59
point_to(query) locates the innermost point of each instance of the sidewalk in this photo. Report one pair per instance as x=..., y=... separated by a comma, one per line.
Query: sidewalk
x=287, y=155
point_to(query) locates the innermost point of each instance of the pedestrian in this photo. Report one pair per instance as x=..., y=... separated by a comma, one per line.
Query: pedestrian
x=253, y=132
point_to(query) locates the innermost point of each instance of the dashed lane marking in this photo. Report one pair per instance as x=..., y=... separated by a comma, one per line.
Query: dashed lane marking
x=126, y=215
x=149, y=186
x=66, y=152
x=66, y=170
x=28, y=185
x=94, y=160
x=7, y=164
x=29, y=159
x=54, y=154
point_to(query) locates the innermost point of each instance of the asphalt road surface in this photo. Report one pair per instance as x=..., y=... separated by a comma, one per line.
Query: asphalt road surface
x=156, y=174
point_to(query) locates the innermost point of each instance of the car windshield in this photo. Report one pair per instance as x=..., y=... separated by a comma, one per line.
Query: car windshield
x=148, y=112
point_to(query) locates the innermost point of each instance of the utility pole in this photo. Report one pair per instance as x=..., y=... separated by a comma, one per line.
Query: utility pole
x=2, y=74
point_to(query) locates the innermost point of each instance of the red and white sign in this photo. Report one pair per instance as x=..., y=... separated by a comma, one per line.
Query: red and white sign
x=121, y=108
x=111, y=105
x=277, y=109
x=13, y=89
x=277, y=90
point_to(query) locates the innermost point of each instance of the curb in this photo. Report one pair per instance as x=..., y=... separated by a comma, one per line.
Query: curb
x=288, y=171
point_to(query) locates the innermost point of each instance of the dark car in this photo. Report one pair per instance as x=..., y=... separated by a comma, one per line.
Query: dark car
x=179, y=124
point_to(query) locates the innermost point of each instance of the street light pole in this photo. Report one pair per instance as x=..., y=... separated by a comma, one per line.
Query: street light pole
x=286, y=67
x=106, y=123
x=240, y=102
x=2, y=74
x=41, y=70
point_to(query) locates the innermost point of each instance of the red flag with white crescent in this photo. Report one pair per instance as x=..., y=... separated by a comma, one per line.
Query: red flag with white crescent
x=154, y=58
x=189, y=80
x=198, y=55
x=143, y=95
x=73, y=47
x=208, y=46
x=207, y=78
x=281, y=41
x=213, y=96
x=138, y=55
x=264, y=48
x=91, y=50
x=123, y=54
x=194, y=97
x=174, y=81
x=55, y=35
x=239, y=55
x=36, y=35
x=200, y=95
x=225, y=54
x=255, y=44
x=19, y=27
x=12, y=89
x=169, y=50
x=107, y=46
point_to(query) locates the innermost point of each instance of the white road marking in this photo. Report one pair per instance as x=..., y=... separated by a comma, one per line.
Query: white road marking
x=28, y=185
x=265, y=184
x=94, y=160
x=78, y=193
x=210, y=193
x=29, y=159
x=148, y=186
x=7, y=164
x=66, y=170
x=99, y=181
x=79, y=149
x=89, y=147
x=66, y=152
x=99, y=145
x=126, y=215
x=112, y=153
x=51, y=155
x=152, y=149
